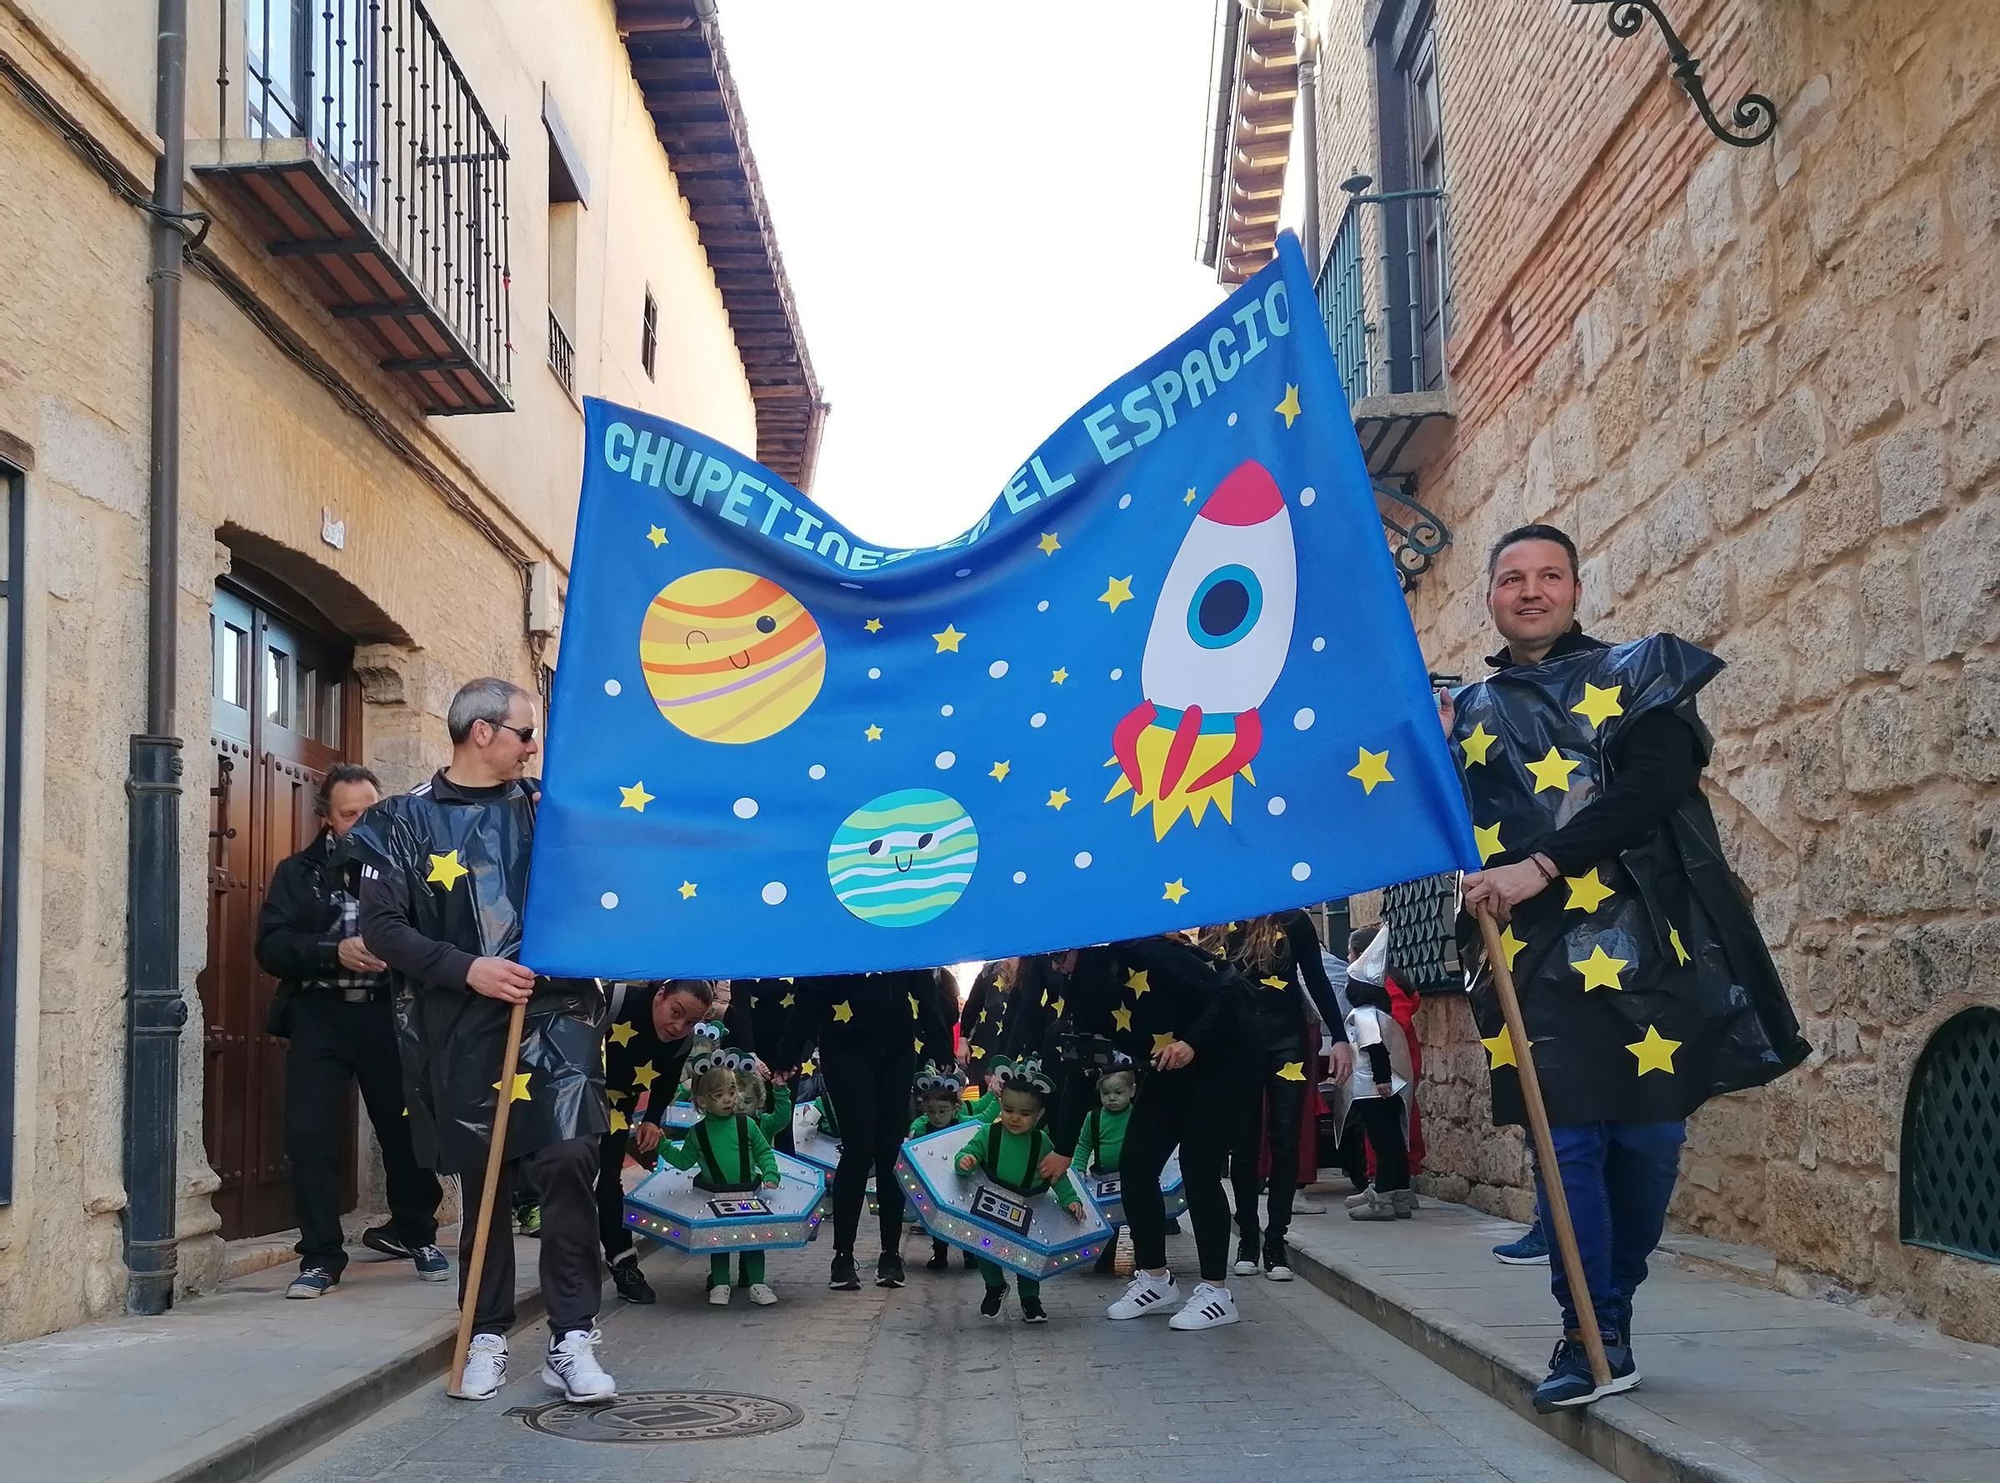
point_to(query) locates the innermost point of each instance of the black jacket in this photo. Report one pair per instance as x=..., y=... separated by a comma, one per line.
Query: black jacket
x=298, y=931
x=872, y=1014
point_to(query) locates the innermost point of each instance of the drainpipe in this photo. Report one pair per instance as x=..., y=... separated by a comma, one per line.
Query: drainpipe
x=1222, y=68
x=1309, y=142
x=155, y=1009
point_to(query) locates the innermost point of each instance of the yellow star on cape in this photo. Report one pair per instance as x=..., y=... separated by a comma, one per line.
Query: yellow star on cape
x=623, y=1035
x=1175, y=891
x=1511, y=945
x=445, y=870
x=1138, y=983
x=614, y=1096
x=1600, y=970
x=1056, y=1009
x=1373, y=768
x=1655, y=1052
x=1586, y=891
x=947, y=642
x=914, y=1011
x=873, y=733
x=618, y=1123
x=1477, y=743
x=1487, y=837
x=657, y=536
x=520, y=1092
x=1275, y=982
x=1290, y=405
x=1599, y=704
x=806, y=1068
x=1121, y=1018
x=1000, y=771
x=1553, y=771
x=687, y=890
x=788, y=1001
x=1118, y=591
x=645, y=1076
x=1058, y=798
x=1188, y=498
x=635, y=797
x=1161, y=1042
x=1049, y=544
x=842, y=1012
x=1499, y=1050
x=873, y=625
x=917, y=1044
x=1674, y=939
x=1292, y=1071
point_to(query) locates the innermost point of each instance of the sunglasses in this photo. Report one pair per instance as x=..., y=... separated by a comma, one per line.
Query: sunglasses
x=526, y=733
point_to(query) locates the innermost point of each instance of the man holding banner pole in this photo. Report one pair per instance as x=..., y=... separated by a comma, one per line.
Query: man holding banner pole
x=1644, y=984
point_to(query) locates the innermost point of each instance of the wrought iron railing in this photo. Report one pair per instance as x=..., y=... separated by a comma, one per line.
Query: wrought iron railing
x=562, y=354
x=1385, y=293
x=374, y=91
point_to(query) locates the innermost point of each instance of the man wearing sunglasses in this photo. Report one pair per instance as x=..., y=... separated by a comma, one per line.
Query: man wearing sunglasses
x=444, y=885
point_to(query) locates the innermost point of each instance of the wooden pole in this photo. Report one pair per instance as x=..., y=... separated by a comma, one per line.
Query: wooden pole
x=496, y=1155
x=1545, y=1148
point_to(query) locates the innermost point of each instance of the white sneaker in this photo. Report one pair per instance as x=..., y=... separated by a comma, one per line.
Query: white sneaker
x=572, y=1368
x=1209, y=1308
x=761, y=1294
x=1279, y=1273
x=1361, y=1197
x=1145, y=1294
x=718, y=1295
x=485, y=1367
x=1246, y=1267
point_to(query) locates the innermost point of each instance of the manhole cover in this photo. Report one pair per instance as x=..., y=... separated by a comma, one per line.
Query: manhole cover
x=665, y=1416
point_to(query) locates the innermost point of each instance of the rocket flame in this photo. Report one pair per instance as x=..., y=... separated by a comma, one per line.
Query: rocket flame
x=1184, y=769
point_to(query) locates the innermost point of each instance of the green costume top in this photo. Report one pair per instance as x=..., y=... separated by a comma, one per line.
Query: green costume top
x=1102, y=1142
x=778, y=1117
x=726, y=1153
x=923, y=1124
x=1013, y=1161
x=986, y=1108
x=828, y=1124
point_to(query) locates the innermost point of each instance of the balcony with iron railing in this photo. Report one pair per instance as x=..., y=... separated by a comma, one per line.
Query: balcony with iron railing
x=353, y=141
x=562, y=354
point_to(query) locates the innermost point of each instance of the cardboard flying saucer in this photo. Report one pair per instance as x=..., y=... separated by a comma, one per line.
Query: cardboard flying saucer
x=1029, y=1235
x=702, y=1222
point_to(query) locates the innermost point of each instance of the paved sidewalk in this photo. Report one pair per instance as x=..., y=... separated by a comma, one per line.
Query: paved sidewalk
x=225, y=1386
x=1742, y=1383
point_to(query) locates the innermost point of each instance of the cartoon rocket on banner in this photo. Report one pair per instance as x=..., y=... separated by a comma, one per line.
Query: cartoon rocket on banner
x=1220, y=633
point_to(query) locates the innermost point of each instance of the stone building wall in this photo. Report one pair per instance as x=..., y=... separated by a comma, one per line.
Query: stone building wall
x=1762, y=389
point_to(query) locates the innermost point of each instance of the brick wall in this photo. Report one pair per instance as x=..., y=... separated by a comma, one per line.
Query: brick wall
x=1760, y=387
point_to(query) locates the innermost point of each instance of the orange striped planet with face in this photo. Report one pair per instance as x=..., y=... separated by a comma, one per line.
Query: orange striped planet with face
x=730, y=656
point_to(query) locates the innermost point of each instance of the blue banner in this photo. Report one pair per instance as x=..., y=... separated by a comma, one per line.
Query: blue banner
x=1168, y=679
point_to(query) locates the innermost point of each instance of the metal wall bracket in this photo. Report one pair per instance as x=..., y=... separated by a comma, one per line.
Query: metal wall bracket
x=1417, y=536
x=1754, y=114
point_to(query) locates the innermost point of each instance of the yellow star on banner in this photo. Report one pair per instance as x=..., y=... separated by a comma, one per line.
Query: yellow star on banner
x=1292, y=1071
x=1553, y=771
x=842, y=1012
x=1118, y=591
x=618, y=1123
x=1674, y=939
x=873, y=625
x=445, y=870
x=1161, y=1042
x=788, y=1001
x=1275, y=982
x=1049, y=544
x=1599, y=704
x=1373, y=768
x=614, y=1096
x=1511, y=945
x=1121, y=1018
x=623, y=1035
x=635, y=797
x=948, y=641
x=1478, y=742
x=1000, y=771
x=1058, y=799
x=645, y=1076
x=1175, y=891
x=1059, y=677
x=1499, y=1050
x=520, y=1092
x=657, y=536
x=1188, y=498
x=1586, y=891
x=1600, y=970
x=1138, y=983
x=687, y=890
x=873, y=733
x=1487, y=837
x=1290, y=405
x=1655, y=1052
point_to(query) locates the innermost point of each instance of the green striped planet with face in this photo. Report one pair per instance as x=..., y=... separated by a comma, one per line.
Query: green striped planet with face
x=904, y=858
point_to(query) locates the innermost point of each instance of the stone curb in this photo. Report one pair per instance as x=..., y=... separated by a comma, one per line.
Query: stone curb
x=1618, y=1435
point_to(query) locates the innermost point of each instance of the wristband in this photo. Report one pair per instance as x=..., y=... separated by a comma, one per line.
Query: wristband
x=1549, y=872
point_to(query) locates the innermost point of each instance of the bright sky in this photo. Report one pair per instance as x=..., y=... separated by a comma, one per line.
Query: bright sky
x=988, y=213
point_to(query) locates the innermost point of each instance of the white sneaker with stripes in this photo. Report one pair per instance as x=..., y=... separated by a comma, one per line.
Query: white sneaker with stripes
x=1210, y=1307
x=1146, y=1294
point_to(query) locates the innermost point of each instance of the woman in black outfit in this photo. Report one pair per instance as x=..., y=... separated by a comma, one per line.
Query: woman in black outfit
x=871, y=1030
x=1181, y=1015
x=1273, y=954
x=983, y=1022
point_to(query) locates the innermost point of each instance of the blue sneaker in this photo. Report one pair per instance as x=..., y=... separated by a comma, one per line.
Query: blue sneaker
x=1570, y=1384
x=432, y=1265
x=1532, y=1250
x=313, y=1282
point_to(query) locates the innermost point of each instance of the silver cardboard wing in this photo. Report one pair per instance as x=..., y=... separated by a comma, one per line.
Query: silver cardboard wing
x=702, y=1222
x=1108, y=1190
x=1029, y=1235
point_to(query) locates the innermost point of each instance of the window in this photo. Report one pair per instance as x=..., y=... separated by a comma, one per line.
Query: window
x=569, y=192
x=13, y=573
x=649, y=334
x=1415, y=248
x=1951, y=1190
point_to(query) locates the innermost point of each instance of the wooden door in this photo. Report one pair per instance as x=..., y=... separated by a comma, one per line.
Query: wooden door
x=283, y=711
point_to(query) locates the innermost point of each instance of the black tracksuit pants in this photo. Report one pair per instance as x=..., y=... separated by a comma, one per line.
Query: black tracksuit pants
x=871, y=1103
x=565, y=1176
x=333, y=1044
x=1200, y=1108
x=611, y=1228
x=1271, y=1119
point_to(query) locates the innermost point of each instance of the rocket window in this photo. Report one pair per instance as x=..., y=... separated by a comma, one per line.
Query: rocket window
x=1225, y=607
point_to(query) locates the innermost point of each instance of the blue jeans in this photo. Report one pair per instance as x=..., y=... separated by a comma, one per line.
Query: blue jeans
x=1619, y=1178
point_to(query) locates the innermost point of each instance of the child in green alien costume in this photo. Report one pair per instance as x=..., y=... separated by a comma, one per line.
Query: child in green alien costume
x=1010, y=1152
x=729, y=1153
x=1102, y=1140
x=940, y=1105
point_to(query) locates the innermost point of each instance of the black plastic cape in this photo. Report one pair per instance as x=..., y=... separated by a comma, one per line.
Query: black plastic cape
x=462, y=865
x=1645, y=983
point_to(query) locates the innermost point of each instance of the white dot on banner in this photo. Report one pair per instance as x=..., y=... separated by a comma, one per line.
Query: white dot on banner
x=1042, y=606
x=1039, y=720
x=1307, y=496
x=1305, y=718
x=997, y=668
x=609, y=900
x=612, y=687
x=946, y=761
x=852, y=586
x=815, y=772
x=774, y=893
x=1083, y=860
x=1232, y=419
x=1275, y=807
x=874, y=674
x=1118, y=674
x=746, y=808
x=1302, y=871
x=1124, y=501
x=1319, y=646
x=1020, y=877
x=944, y=710
x=964, y=571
